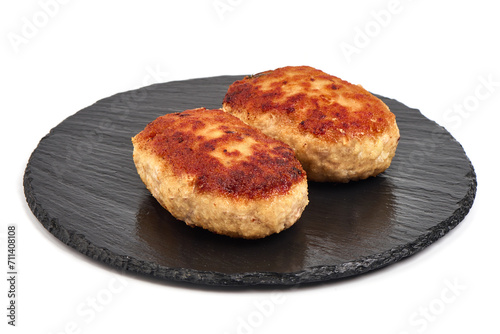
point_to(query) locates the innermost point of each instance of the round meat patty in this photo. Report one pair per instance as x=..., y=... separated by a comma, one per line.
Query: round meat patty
x=339, y=131
x=211, y=170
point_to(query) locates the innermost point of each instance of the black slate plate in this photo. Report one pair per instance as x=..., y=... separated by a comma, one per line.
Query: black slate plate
x=81, y=184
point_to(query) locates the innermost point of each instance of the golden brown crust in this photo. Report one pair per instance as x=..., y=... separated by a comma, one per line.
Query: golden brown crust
x=321, y=104
x=222, y=154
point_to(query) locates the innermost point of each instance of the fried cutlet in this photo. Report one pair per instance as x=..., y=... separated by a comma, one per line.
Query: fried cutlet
x=209, y=169
x=339, y=131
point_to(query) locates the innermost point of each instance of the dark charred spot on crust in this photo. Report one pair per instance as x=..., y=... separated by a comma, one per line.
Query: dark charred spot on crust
x=317, y=114
x=315, y=127
x=334, y=87
x=209, y=145
x=271, y=169
x=296, y=170
x=178, y=137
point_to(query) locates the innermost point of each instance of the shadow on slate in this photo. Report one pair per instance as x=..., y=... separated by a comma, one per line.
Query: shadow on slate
x=82, y=185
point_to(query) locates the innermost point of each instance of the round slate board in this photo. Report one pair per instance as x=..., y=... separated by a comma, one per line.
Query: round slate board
x=82, y=185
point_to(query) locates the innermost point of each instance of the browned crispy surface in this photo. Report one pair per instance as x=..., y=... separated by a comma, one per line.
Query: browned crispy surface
x=224, y=155
x=318, y=103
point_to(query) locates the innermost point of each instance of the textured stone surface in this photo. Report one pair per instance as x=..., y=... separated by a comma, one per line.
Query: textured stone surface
x=81, y=184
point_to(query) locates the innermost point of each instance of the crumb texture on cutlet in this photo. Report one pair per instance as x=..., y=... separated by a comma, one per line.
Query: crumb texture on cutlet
x=319, y=104
x=223, y=154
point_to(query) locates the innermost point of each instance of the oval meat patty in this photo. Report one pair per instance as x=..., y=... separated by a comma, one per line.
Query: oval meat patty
x=211, y=170
x=339, y=131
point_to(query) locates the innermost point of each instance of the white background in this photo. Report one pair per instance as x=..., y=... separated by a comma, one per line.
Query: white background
x=59, y=57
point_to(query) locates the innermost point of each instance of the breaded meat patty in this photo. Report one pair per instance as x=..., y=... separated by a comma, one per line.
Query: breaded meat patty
x=339, y=131
x=211, y=170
